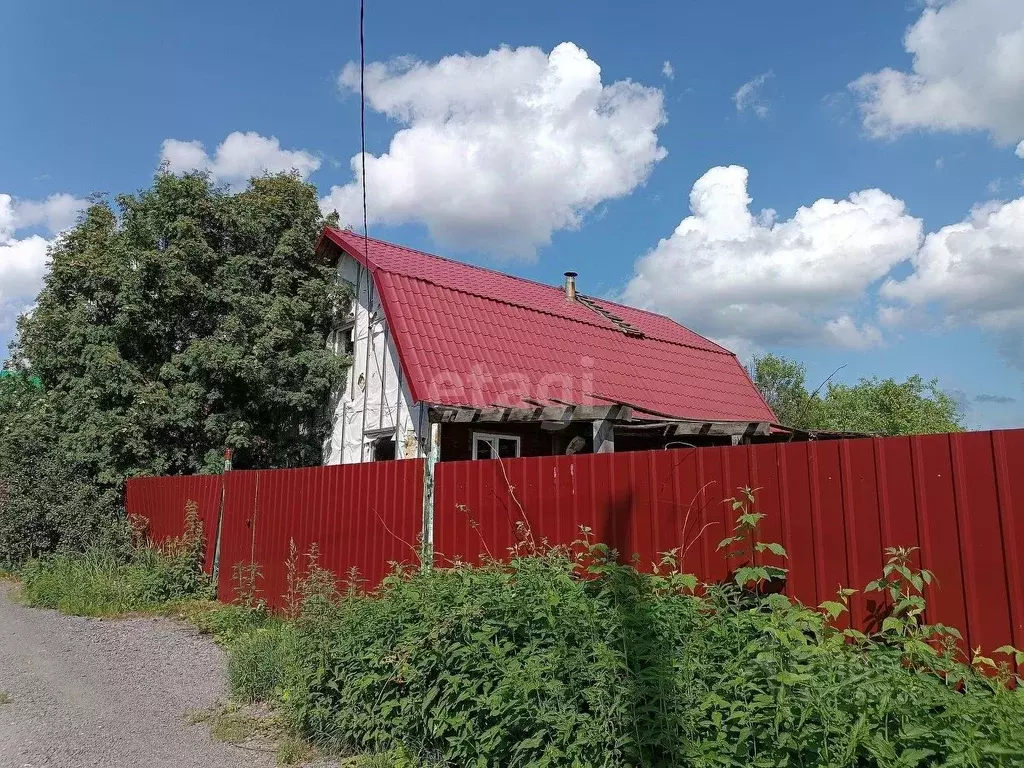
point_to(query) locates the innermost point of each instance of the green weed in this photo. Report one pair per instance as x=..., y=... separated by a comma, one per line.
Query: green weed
x=254, y=728
x=107, y=582
x=5, y=698
x=226, y=622
x=292, y=750
x=259, y=661
x=236, y=724
x=396, y=758
x=233, y=727
x=564, y=657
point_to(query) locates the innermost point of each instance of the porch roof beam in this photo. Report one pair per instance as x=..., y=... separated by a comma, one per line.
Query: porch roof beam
x=709, y=428
x=498, y=414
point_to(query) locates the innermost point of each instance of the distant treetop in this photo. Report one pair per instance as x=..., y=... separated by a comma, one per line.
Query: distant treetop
x=873, y=406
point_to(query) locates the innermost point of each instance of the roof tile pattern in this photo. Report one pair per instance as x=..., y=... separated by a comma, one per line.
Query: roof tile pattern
x=471, y=336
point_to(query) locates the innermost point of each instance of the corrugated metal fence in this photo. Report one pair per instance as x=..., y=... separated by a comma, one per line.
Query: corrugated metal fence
x=834, y=505
x=161, y=501
x=359, y=517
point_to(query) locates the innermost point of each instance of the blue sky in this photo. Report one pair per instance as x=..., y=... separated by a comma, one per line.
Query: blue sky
x=93, y=91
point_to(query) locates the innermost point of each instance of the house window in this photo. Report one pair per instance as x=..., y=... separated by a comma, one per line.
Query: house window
x=487, y=446
x=384, y=449
x=344, y=340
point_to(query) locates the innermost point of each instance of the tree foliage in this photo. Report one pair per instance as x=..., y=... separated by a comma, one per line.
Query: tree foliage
x=872, y=406
x=189, y=321
x=45, y=503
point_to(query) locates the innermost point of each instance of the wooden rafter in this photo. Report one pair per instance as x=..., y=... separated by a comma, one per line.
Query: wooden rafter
x=707, y=428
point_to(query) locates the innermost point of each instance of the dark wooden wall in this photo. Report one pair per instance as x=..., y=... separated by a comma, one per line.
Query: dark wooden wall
x=534, y=440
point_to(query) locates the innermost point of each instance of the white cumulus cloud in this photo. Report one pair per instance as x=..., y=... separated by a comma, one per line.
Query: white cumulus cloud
x=1020, y=150
x=55, y=213
x=22, y=267
x=238, y=158
x=23, y=260
x=499, y=151
x=668, y=70
x=749, y=280
x=973, y=273
x=750, y=95
x=967, y=73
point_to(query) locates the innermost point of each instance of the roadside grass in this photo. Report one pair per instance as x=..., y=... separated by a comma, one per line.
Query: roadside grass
x=111, y=582
x=96, y=583
x=262, y=657
x=225, y=622
x=396, y=758
x=256, y=728
x=294, y=750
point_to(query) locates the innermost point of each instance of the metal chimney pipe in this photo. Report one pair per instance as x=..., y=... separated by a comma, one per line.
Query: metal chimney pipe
x=570, y=285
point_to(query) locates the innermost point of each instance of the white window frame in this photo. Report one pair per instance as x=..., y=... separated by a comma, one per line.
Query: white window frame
x=495, y=436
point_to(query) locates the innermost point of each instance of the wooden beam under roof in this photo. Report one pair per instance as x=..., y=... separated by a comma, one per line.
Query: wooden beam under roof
x=706, y=428
x=497, y=414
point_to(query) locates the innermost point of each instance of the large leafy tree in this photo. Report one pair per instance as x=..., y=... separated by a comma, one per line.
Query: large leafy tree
x=871, y=406
x=189, y=321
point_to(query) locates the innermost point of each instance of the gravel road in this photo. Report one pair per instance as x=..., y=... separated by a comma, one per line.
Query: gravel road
x=84, y=692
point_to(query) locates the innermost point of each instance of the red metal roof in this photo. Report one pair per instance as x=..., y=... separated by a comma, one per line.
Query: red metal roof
x=470, y=336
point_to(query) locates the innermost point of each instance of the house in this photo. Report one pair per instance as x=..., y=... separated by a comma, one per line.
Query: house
x=477, y=364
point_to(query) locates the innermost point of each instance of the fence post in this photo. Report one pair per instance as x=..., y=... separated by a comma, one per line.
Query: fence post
x=228, y=453
x=433, y=451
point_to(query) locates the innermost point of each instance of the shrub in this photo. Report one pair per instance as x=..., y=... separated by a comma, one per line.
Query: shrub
x=566, y=658
x=47, y=503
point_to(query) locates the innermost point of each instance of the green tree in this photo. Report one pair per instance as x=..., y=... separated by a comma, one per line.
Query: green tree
x=782, y=383
x=45, y=504
x=887, y=407
x=189, y=321
x=872, y=406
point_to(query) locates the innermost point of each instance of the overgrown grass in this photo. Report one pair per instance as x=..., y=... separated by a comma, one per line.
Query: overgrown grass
x=259, y=661
x=226, y=622
x=108, y=582
x=563, y=657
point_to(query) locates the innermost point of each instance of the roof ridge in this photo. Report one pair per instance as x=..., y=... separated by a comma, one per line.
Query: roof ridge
x=712, y=346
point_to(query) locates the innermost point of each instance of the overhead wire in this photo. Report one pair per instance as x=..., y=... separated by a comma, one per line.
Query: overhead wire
x=366, y=229
x=362, y=119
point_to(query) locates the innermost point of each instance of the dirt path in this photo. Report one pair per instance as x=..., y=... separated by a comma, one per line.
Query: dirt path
x=89, y=693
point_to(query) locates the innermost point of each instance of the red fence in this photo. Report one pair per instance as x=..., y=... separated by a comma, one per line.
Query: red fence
x=834, y=505
x=360, y=516
x=162, y=500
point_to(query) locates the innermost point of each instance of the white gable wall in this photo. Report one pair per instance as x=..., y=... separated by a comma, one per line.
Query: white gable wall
x=375, y=400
